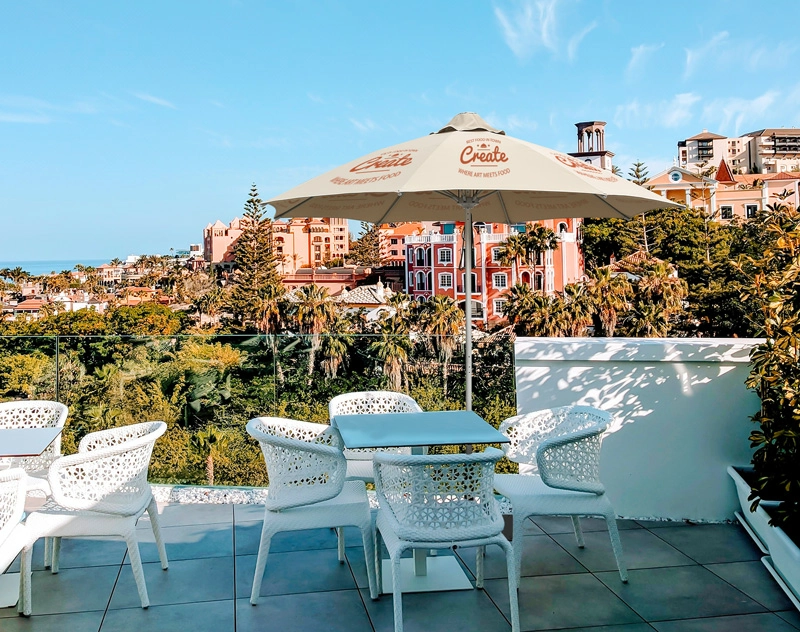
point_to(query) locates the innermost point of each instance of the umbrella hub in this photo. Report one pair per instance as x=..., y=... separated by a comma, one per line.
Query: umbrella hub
x=468, y=122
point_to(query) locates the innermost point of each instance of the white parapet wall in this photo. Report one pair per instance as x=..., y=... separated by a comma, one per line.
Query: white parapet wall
x=681, y=415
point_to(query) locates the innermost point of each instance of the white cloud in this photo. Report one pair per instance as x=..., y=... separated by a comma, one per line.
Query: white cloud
x=666, y=113
x=366, y=125
x=735, y=113
x=20, y=117
x=639, y=57
x=149, y=98
x=531, y=25
x=575, y=40
x=314, y=97
x=511, y=123
x=696, y=57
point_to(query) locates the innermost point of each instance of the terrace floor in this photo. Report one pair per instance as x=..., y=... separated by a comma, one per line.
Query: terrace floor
x=682, y=578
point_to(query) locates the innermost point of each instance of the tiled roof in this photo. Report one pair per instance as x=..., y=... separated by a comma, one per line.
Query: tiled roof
x=778, y=131
x=365, y=295
x=706, y=135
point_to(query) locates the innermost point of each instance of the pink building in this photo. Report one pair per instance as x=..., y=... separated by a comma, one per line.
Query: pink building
x=219, y=240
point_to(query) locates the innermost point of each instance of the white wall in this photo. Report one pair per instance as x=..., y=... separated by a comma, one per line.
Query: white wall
x=681, y=415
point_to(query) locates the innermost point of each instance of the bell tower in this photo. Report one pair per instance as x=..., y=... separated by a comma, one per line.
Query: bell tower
x=592, y=144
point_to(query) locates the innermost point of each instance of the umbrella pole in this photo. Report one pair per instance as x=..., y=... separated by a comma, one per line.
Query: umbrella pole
x=468, y=205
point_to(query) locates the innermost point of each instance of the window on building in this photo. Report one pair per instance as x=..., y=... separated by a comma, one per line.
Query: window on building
x=475, y=287
x=538, y=282
x=393, y=242
x=393, y=253
x=421, y=277
x=499, y=306
x=445, y=255
x=500, y=281
x=448, y=229
x=445, y=281
x=518, y=228
x=751, y=210
x=420, y=256
x=726, y=212
x=562, y=228
x=496, y=254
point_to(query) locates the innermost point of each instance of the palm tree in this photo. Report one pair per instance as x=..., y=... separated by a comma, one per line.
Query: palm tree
x=658, y=286
x=545, y=316
x=336, y=344
x=518, y=299
x=209, y=441
x=539, y=239
x=314, y=312
x=647, y=320
x=609, y=295
x=512, y=251
x=578, y=309
x=442, y=319
x=392, y=348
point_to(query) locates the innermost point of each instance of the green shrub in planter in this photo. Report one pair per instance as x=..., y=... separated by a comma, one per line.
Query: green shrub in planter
x=774, y=292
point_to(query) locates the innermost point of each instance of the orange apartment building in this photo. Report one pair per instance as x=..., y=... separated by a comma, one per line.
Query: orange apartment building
x=298, y=243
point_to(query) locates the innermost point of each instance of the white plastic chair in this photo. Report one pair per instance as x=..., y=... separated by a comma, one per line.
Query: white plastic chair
x=34, y=414
x=307, y=488
x=100, y=491
x=437, y=502
x=14, y=536
x=359, y=460
x=559, y=450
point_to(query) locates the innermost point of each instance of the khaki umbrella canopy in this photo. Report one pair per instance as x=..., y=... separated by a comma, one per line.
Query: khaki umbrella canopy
x=466, y=171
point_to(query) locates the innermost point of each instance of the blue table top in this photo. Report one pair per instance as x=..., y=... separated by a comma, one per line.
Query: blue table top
x=393, y=430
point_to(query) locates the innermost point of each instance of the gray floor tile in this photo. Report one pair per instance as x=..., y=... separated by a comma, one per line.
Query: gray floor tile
x=562, y=524
x=766, y=622
x=551, y=602
x=248, y=535
x=627, y=627
x=462, y=610
x=339, y=611
x=188, y=542
x=711, y=544
x=73, y=589
x=790, y=616
x=660, y=524
x=296, y=572
x=540, y=556
x=77, y=622
x=754, y=580
x=640, y=548
x=186, y=581
x=529, y=527
x=679, y=592
x=183, y=514
x=245, y=513
x=80, y=552
x=209, y=616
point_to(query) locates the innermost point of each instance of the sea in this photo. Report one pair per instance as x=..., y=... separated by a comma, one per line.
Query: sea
x=37, y=268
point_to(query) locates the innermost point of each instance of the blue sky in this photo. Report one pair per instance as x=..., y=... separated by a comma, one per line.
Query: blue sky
x=125, y=127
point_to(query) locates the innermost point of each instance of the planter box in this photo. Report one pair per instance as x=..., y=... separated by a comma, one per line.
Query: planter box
x=755, y=523
x=782, y=555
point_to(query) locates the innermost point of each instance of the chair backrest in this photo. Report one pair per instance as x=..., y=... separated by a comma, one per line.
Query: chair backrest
x=528, y=431
x=372, y=403
x=32, y=413
x=12, y=501
x=439, y=498
x=109, y=473
x=305, y=463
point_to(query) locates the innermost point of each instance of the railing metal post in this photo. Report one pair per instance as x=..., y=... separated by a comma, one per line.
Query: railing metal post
x=58, y=371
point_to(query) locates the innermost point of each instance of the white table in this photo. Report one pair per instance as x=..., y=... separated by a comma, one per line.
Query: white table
x=26, y=441
x=418, y=431
x=20, y=442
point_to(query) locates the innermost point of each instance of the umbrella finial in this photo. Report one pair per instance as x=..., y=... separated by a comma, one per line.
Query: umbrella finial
x=469, y=122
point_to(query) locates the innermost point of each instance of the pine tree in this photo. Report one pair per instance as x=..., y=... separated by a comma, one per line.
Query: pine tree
x=258, y=285
x=366, y=251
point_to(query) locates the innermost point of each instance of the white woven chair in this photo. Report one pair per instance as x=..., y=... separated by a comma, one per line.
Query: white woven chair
x=359, y=460
x=100, y=491
x=559, y=449
x=14, y=535
x=307, y=487
x=437, y=502
x=34, y=414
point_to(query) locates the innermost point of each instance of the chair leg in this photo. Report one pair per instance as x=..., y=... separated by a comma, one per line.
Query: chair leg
x=261, y=561
x=479, y=566
x=152, y=511
x=378, y=561
x=48, y=552
x=136, y=566
x=340, y=543
x=576, y=526
x=55, y=555
x=26, y=559
x=616, y=545
x=397, y=594
x=513, y=585
x=517, y=545
x=368, y=539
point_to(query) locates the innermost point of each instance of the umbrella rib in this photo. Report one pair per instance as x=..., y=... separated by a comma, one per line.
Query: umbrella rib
x=602, y=198
x=289, y=210
x=389, y=210
x=503, y=206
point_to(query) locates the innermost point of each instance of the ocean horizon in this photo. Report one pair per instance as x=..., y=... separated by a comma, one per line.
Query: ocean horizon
x=37, y=268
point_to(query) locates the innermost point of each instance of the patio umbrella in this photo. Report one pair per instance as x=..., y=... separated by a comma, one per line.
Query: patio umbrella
x=467, y=170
